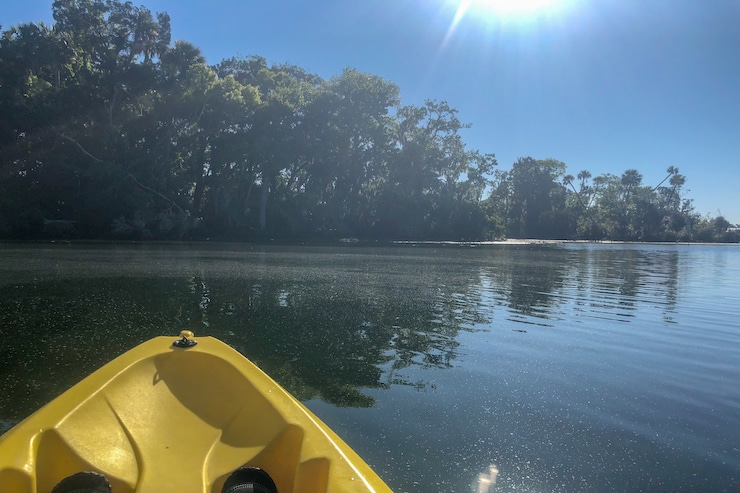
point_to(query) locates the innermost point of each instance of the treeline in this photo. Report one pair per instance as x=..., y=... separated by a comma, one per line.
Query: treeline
x=537, y=199
x=109, y=130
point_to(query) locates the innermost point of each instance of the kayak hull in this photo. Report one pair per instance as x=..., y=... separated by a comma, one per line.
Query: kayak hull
x=161, y=418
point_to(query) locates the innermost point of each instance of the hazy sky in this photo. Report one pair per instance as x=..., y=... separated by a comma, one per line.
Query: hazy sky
x=602, y=85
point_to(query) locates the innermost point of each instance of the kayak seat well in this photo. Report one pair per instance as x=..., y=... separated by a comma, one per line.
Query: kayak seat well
x=180, y=420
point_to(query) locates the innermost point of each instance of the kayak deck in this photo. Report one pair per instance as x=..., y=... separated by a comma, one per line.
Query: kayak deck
x=160, y=418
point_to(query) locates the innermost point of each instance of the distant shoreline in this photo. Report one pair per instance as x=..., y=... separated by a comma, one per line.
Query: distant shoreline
x=357, y=242
x=535, y=241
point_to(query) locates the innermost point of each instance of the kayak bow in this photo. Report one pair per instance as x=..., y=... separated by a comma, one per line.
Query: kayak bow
x=163, y=418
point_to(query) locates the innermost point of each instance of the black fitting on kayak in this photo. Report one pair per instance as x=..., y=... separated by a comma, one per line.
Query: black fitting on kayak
x=83, y=482
x=186, y=340
x=249, y=480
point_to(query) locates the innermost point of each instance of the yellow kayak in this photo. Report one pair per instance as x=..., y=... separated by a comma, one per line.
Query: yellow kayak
x=195, y=418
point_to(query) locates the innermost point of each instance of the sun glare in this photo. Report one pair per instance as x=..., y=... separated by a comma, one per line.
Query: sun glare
x=504, y=9
x=496, y=15
x=509, y=6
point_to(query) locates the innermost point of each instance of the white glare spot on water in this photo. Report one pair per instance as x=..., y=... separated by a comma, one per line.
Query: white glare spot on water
x=487, y=481
x=283, y=298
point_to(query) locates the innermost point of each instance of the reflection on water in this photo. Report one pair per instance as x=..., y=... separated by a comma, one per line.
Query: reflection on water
x=543, y=286
x=574, y=368
x=487, y=482
x=323, y=324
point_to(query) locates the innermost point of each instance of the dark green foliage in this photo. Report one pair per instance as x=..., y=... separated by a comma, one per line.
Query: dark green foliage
x=107, y=130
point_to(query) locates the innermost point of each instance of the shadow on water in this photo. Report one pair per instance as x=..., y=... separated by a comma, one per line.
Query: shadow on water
x=326, y=323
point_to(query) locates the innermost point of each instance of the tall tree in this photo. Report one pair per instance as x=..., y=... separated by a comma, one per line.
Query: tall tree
x=81, y=92
x=348, y=145
x=537, y=198
x=672, y=170
x=434, y=184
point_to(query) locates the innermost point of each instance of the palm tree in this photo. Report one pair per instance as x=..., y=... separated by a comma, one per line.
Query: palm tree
x=568, y=181
x=585, y=189
x=677, y=181
x=672, y=170
x=583, y=176
x=631, y=179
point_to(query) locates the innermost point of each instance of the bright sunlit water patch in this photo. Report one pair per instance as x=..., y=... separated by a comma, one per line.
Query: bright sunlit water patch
x=487, y=481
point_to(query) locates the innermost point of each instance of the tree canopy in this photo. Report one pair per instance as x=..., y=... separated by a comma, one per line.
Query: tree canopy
x=109, y=130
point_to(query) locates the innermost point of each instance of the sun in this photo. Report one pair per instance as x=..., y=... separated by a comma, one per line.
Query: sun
x=506, y=7
x=498, y=15
x=504, y=10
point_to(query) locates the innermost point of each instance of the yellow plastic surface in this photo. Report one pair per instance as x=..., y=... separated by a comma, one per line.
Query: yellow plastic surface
x=164, y=419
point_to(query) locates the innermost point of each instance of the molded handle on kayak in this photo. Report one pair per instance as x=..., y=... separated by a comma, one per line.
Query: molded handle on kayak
x=186, y=339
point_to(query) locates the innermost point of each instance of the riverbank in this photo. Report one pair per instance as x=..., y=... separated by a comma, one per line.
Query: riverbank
x=359, y=243
x=535, y=241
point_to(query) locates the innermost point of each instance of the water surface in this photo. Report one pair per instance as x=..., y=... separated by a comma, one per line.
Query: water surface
x=570, y=367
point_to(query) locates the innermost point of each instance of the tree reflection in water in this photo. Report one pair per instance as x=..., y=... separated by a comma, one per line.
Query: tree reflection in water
x=324, y=322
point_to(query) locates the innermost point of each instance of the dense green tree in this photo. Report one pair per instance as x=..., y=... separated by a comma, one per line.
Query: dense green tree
x=714, y=229
x=348, y=144
x=71, y=107
x=435, y=184
x=537, y=199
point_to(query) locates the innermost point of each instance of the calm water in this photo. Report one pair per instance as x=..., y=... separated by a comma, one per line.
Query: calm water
x=570, y=367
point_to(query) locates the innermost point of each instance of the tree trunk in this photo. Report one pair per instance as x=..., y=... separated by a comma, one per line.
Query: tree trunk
x=263, y=203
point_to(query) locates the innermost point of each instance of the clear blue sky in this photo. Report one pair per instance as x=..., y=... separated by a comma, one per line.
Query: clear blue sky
x=602, y=85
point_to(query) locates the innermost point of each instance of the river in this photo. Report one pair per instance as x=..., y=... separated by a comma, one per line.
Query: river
x=570, y=367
